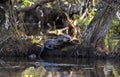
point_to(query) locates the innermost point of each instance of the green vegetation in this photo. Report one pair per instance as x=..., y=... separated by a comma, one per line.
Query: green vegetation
x=34, y=72
x=113, y=34
x=27, y=3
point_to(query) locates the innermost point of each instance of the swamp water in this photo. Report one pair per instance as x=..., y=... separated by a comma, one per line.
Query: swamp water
x=58, y=67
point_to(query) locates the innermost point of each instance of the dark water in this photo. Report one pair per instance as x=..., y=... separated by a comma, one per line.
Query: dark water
x=58, y=67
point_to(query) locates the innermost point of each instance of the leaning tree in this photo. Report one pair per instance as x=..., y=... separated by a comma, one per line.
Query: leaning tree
x=96, y=32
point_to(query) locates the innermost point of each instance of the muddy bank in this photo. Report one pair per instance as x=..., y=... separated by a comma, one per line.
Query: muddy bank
x=15, y=49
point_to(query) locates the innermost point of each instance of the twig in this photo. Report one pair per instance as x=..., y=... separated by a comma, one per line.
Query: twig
x=58, y=31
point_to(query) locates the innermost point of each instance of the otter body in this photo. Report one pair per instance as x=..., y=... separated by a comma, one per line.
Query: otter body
x=64, y=38
x=51, y=44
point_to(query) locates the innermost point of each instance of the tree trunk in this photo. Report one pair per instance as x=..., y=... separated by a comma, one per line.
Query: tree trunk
x=95, y=33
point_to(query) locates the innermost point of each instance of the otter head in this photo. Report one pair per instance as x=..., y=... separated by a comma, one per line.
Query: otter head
x=64, y=38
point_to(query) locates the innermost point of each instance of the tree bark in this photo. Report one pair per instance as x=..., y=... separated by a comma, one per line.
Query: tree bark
x=95, y=33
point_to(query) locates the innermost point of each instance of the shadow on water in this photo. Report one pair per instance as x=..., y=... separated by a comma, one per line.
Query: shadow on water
x=58, y=67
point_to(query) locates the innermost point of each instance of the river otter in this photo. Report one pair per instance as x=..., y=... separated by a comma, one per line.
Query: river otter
x=51, y=44
x=64, y=38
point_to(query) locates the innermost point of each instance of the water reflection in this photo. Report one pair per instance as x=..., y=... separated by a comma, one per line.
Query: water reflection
x=58, y=67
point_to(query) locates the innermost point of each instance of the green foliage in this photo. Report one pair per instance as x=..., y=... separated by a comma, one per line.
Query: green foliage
x=114, y=32
x=86, y=20
x=115, y=73
x=110, y=43
x=34, y=72
x=115, y=28
x=27, y=3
